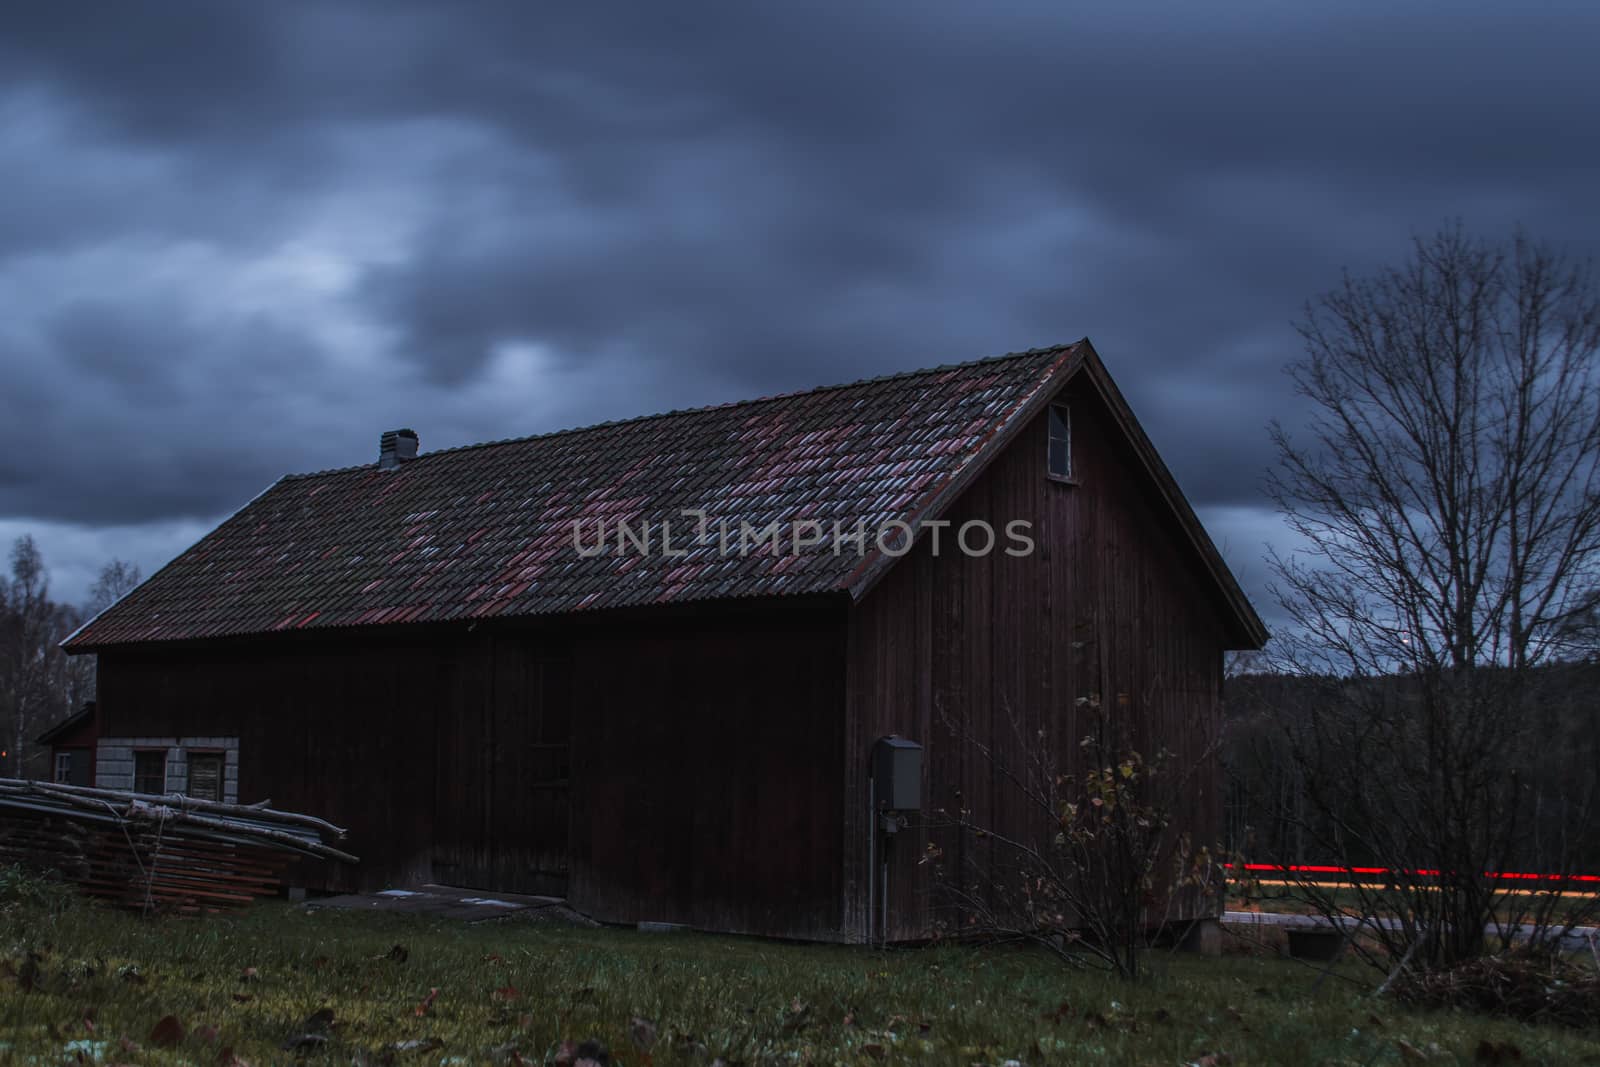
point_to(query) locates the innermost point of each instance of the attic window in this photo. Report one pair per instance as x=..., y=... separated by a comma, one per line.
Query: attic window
x=1060, y=458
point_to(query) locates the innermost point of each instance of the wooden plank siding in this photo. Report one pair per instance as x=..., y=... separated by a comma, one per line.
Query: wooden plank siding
x=342, y=729
x=1109, y=602
x=678, y=766
x=713, y=752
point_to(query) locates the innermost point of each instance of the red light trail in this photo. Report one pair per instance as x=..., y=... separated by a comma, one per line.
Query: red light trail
x=1311, y=868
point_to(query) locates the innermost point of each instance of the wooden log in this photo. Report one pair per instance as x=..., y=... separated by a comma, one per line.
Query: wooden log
x=186, y=857
x=258, y=811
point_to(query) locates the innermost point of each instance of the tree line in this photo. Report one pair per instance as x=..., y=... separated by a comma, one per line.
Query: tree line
x=39, y=683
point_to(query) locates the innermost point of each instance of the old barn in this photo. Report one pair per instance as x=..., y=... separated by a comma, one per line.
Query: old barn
x=584, y=662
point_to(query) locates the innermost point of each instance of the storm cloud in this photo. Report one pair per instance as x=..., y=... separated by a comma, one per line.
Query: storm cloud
x=239, y=240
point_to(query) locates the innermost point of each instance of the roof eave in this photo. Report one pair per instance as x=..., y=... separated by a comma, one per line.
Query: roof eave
x=70, y=643
x=72, y=721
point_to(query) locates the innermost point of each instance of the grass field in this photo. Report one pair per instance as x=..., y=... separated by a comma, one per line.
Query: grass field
x=358, y=988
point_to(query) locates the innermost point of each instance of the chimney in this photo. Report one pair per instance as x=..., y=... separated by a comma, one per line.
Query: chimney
x=395, y=447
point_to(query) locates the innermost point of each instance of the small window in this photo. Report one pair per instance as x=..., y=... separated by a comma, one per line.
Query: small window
x=63, y=768
x=205, y=775
x=150, y=771
x=1060, y=441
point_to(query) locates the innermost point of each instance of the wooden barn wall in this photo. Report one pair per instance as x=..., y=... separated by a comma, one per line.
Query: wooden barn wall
x=996, y=648
x=709, y=791
x=687, y=766
x=434, y=752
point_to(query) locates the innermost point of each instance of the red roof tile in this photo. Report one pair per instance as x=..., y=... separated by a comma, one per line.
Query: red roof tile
x=487, y=530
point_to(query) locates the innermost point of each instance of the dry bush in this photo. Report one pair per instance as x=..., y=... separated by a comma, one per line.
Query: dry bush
x=1530, y=988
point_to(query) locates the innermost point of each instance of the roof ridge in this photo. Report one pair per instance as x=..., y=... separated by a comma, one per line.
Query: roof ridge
x=749, y=402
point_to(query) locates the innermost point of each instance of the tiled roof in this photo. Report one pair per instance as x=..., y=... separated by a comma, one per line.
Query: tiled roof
x=487, y=530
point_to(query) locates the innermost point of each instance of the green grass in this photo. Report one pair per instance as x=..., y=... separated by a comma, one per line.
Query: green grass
x=518, y=985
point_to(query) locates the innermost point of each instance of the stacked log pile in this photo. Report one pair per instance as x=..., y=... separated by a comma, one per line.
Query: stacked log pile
x=158, y=853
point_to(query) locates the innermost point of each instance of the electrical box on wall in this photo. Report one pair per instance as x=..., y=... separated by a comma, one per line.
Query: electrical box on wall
x=897, y=774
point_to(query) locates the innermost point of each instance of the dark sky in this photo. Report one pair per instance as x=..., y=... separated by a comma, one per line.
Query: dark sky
x=240, y=240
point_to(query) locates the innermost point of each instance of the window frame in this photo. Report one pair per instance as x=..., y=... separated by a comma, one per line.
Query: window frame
x=63, y=770
x=1059, y=411
x=166, y=767
x=221, y=758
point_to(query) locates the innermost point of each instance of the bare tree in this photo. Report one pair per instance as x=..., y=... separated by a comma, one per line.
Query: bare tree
x=1448, y=500
x=27, y=624
x=116, y=580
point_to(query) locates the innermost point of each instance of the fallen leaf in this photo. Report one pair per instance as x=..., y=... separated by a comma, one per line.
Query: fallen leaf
x=249, y=974
x=799, y=1015
x=166, y=1033
x=1409, y=1052
x=494, y=957
x=243, y=998
x=319, y=1021
x=226, y=1058
x=875, y=1050
x=427, y=1003
x=506, y=992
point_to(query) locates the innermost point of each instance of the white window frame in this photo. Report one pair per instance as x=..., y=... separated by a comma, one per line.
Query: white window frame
x=1064, y=438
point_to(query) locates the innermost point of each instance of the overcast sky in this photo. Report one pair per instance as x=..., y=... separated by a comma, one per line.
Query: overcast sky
x=240, y=240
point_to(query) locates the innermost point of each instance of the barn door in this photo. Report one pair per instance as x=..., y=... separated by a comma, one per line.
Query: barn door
x=540, y=797
x=501, y=798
